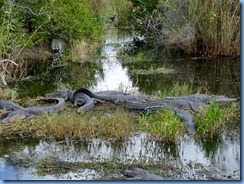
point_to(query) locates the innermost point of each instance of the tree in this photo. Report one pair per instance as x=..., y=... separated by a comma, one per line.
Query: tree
x=25, y=23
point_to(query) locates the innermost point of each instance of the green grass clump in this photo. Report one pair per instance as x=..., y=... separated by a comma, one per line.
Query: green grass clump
x=163, y=125
x=7, y=93
x=210, y=121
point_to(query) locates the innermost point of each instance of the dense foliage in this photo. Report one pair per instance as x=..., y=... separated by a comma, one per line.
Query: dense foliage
x=24, y=23
x=196, y=26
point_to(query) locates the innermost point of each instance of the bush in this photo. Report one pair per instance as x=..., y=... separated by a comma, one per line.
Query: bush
x=25, y=23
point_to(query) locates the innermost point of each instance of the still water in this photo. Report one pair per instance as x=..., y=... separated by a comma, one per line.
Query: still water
x=110, y=72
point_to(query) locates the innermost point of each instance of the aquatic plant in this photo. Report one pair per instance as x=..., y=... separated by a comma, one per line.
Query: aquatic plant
x=163, y=125
x=210, y=121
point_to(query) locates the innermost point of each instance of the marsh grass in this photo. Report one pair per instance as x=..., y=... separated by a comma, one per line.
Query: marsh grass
x=163, y=125
x=178, y=89
x=210, y=121
x=96, y=123
x=196, y=26
x=7, y=93
x=232, y=113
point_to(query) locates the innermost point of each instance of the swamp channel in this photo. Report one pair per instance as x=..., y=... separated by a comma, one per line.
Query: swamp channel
x=124, y=67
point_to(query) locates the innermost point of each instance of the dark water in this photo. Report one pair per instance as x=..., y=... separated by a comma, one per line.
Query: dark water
x=110, y=71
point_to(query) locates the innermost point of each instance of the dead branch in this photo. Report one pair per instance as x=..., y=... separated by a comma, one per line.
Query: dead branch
x=8, y=60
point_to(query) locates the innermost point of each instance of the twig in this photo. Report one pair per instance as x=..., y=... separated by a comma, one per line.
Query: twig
x=8, y=60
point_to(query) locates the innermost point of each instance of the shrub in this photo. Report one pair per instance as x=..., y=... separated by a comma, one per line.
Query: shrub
x=26, y=23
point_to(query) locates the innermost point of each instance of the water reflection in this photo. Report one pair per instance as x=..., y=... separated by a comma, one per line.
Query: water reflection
x=136, y=149
x=213, y=75
x=220, y=76
x=114, y=76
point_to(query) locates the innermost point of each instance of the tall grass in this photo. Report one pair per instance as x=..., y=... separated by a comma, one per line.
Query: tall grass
x=178, y=89
x=105, y=9
x=196, y=26
x=162, y=126
x=210, y=121
x=217, y=25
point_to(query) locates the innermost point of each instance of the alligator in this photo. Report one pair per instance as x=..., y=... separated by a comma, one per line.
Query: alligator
x=66, y=94
x=7, y=105
x=116, y=98
x=178, y=103
x=30, y=112
x=203, y=98
x=69, y=95
x=186, y=118
x=141, y=174
x=186, y=104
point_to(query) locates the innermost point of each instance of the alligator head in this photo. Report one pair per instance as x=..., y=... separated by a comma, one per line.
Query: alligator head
x=222, y=98
x=66, y=94
x=136, y=173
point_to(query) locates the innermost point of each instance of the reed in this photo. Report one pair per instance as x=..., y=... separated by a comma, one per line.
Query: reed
x=195, y=26
x=217, y=24
x=178, y=89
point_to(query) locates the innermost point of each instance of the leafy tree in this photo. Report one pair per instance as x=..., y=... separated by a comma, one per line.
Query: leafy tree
x=25, y=23
x=12, y=37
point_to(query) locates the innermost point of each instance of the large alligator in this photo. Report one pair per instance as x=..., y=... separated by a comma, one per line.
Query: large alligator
x=141, y=174
x=69, y=95
x=7, y=105
x=30, y=112
x=178, y=103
